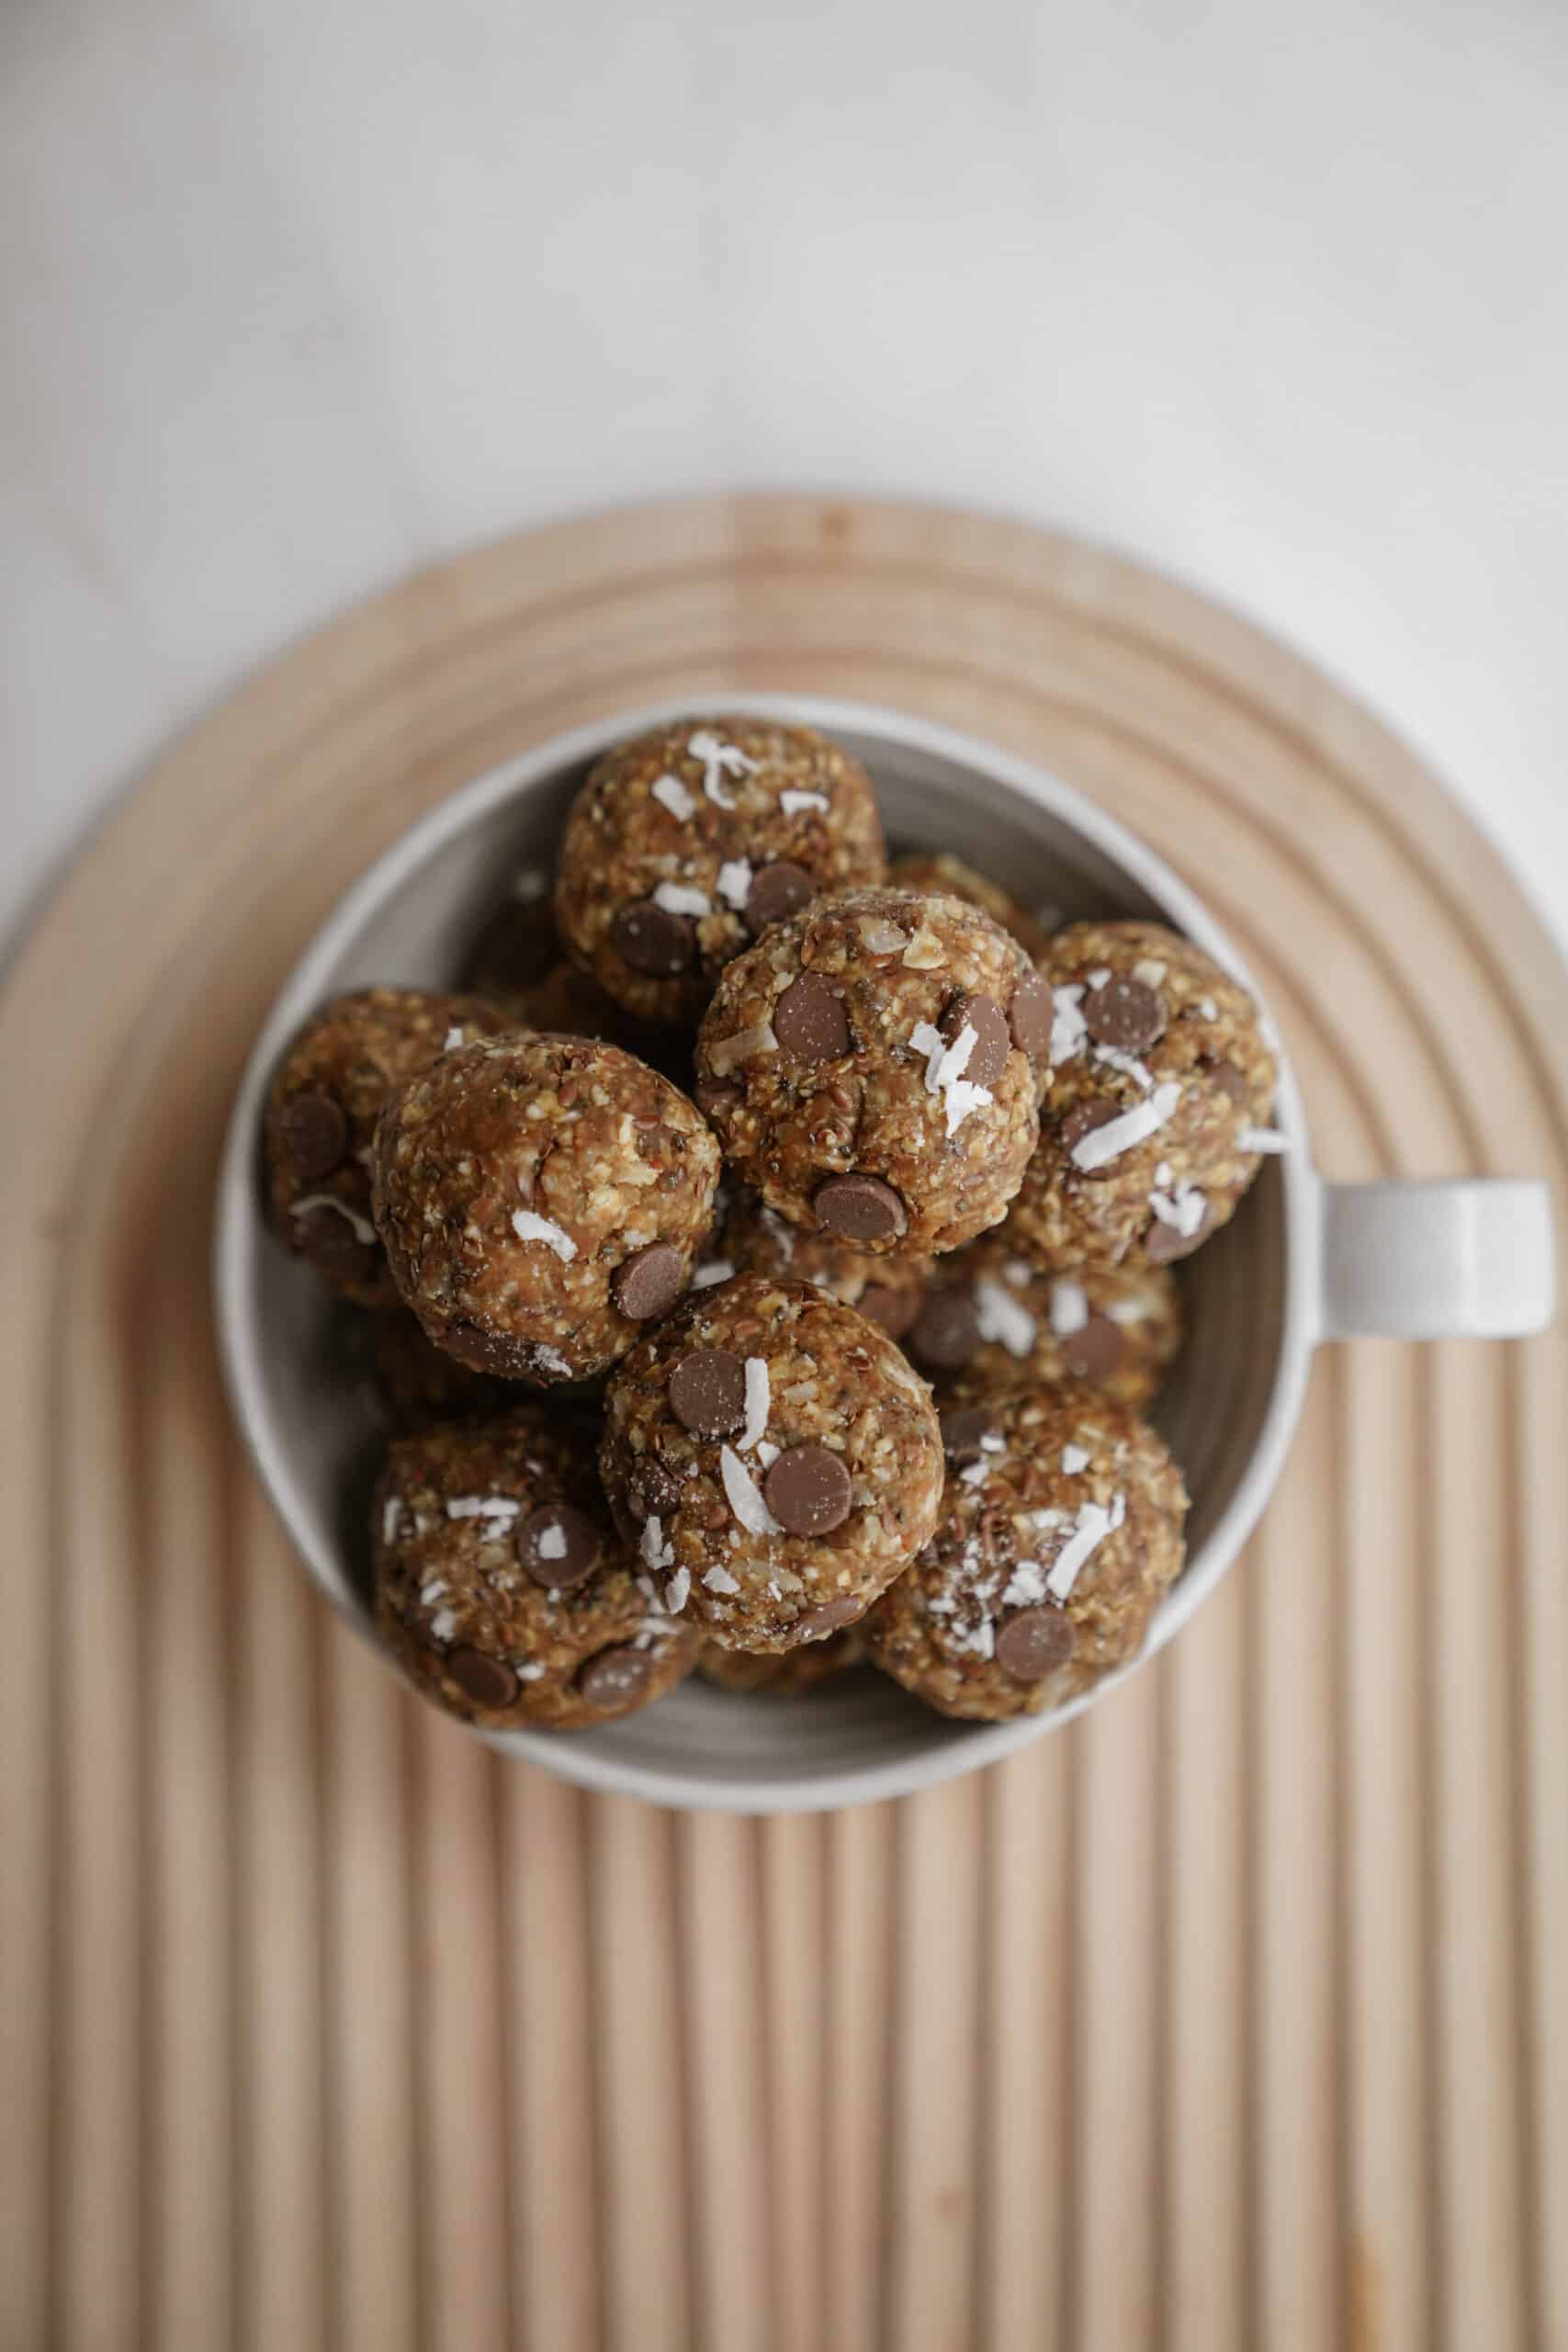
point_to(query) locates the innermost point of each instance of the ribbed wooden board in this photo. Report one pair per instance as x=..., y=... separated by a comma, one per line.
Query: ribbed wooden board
x=1233, y=2018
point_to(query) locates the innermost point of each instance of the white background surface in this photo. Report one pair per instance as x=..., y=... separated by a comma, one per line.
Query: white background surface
x=300, y=293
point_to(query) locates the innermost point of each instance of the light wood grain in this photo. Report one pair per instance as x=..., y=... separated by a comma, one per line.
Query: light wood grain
x=1231, y=2016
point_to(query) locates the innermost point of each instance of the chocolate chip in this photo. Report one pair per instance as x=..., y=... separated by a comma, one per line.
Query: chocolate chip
x=833, y=1614
x=993, y=1042
x=1164, y=1244
x=488, y=1682
x=650, y=1282
x=1229, y=1079
x=859, y=1208
x=653, y=940
x=332, y=1246
x=777, y=892
x=808, y=1491
x=1080, y=1121
x=1029, y=1017
x=717, y=1095
x=1124, y=1014
x=558, y=1545
x=313, y=1134
x=616, y=1678
x=892, y=1310
x=946, y=1332
x=653, y=1491
x=965, y=1430
x=809, y=1020
x=707, y=1392
x=1095, y=1350
x=1034, y=1642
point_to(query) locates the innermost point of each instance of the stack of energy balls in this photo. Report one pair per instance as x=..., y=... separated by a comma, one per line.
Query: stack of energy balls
x=770, y=1254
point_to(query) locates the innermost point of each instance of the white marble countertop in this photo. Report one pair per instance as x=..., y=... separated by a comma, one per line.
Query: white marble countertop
x=297, y=297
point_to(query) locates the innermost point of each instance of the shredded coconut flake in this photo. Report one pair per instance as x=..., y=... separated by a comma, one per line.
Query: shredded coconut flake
x=431, y=1593
x=1207, y=1008
x=735, y=881
x=792, y=803
x=719, y=759
x=529, y=1227
x=1104, y=1144
x=552, y=1543
x=718, y=1270
x=1262, y=1139
x=1098, y=977
x=391, y=1510
x=551, y=1359
x=454, y=1037
x=677, y=1592
x=1002, y=1317
x=766, y=1454
x=744, y=1495
x=1069, y=1029
x=655, y=1552
x=1069, y=1307
x=443, y=1625
x=679, y=899
x=1025, y=1587
x=945, y=1066
x=1019, y=1271
x=1093, y=1524
x=535, y=1673
x=1150, y=971
x=1074, y=1459
x=482, y=1507
x=975, y=1474
x=759, y=1402
x=726, y=1052
x=1183, y=1209
x=1128, y=1310
x=671, y=794
x=363, y=1228
x=717, y=1579
x=1128, y=1063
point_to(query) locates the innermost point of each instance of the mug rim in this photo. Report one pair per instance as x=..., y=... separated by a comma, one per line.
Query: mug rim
x=309, y=977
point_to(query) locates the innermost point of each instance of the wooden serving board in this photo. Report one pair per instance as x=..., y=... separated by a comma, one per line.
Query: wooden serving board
x=1233, y=2018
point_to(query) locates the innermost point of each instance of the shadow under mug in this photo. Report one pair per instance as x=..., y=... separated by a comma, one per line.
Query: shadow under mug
x=1303, y=1262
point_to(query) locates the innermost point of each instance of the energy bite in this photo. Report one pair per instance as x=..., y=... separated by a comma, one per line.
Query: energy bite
x=754, y=1239
x=329, y=1092
x=873, y=1068
x=789, y=1674
x=991, y=1322
x=540, y=1198
x=685, y=843
x=945, y=876
x=1061, y=1528
x=1160, y=1096
x=501, y=1588
x=774, y=1460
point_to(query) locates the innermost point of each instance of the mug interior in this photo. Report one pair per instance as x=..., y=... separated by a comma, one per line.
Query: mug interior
x=310, y=1420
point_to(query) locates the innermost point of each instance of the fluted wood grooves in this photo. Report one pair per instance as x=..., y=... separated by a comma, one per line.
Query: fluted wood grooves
x=1232, y=2016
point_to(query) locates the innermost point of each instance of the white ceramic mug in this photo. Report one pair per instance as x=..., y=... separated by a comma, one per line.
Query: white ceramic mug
x=1301, y=1262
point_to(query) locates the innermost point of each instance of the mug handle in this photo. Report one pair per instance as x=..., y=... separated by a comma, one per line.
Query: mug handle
x=1473, y=1259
